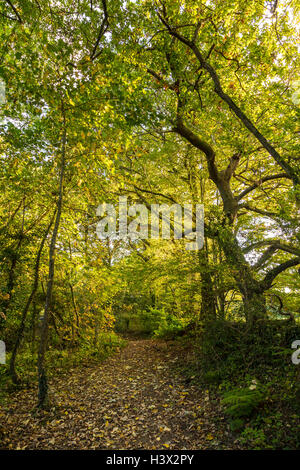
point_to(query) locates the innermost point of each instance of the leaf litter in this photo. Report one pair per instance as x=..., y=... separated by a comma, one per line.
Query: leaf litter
x=135, y=399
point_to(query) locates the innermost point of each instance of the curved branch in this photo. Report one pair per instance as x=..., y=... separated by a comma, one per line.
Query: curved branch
x=227, y=99
x=272, y=215
x=264, y=257
x=15, y=11
x=280, y=311
x=266, y=283
x=277, y=244
x=200, y=144
x=258, y=183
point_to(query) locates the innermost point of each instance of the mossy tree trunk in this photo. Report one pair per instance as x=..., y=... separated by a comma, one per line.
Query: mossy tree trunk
x=12, y=368
x=42, y=376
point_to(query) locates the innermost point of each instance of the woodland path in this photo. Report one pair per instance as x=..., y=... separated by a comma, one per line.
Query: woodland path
x=135, y=399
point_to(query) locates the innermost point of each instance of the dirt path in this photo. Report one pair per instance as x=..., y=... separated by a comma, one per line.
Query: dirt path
x=133, y=400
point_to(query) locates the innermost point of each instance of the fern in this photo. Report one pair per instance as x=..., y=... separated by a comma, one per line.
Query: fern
x=241, y=403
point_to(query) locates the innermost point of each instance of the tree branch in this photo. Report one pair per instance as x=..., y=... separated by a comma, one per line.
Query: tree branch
x=232, y=166
x=258, y=183
x=15, y=11
x=272, y=215
x=102, y=31
x=264, y=257
x=201, y=144
x=277, y=244
x=155, y=193
x=266, y=283
x=227, y=99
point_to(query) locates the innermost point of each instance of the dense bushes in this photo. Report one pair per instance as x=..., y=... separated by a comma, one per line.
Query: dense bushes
x=252, y=371
x=60, y=359
x=231, y=350
x=152, y=322
x=241, y=403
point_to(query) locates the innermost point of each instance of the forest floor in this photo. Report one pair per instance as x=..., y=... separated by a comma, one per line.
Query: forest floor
x=135, y=399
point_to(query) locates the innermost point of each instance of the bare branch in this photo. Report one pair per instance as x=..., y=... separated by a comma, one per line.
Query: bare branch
x=155, y=193
x=15, y=11
x=259, y=182
x=227, y=99
x=272, y=215
x=277, y=244
x=266, y=283
x=280, y=310
x=102, y=31
x=264, y=257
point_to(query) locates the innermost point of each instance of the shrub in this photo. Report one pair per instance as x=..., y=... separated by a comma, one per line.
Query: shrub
x=171, y=326
x=151, y=319
x=242, y=403
x=231, y=351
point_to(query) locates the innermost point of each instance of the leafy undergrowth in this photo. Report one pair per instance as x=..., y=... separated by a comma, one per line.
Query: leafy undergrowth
x=58, y=362
x=132, y=400
x=258, y=388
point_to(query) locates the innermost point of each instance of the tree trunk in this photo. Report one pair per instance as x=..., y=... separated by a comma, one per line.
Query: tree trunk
x=11, y=273
x=42, y=377
x=20, y=332
x=75, y=309
x=33, y=326
x=251, y=289
x=208, y=305
x=97, y=328
x=254, y=306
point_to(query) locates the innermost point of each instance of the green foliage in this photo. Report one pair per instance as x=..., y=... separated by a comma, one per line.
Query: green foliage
x=254, y=437
x=236, y=424
x=152, y=318
x=161, y=324
x=4, y=385
x=253, y=373
x=142, y=114
x=171, y=327
x=274, y=430
x=241, y=403
x=59, y=360
x=230, y=351
x=212, y=376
